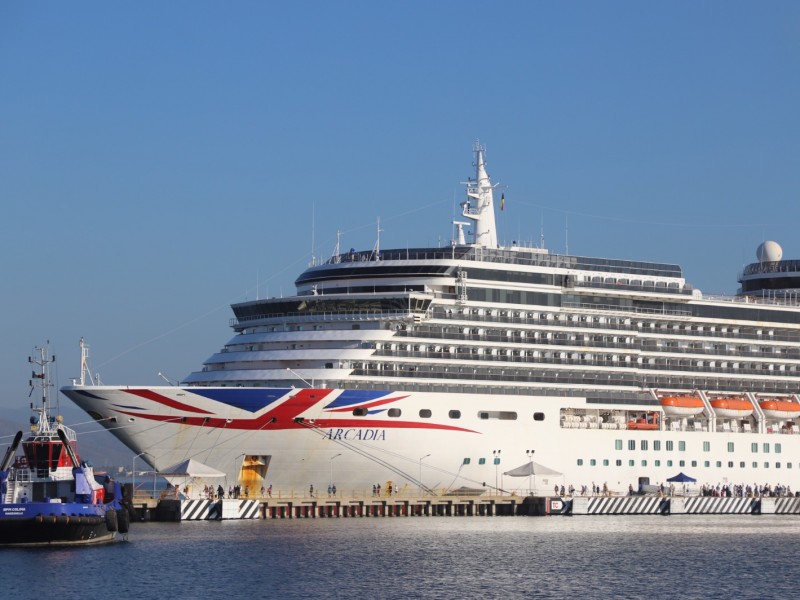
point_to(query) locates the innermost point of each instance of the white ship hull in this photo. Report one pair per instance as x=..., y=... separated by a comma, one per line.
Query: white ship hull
x=305, y=437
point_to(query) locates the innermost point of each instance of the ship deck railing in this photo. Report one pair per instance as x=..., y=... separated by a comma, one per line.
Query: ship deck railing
x=514, y=256
x=744, y=332
x=376, y=315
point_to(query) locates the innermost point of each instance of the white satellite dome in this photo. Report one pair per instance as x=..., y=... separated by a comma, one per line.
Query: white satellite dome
x=769, y=251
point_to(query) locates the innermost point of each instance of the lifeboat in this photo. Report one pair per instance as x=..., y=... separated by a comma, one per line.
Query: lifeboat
x=682, y=406
x=646, y=421
x=780, y=409
x=733, y=408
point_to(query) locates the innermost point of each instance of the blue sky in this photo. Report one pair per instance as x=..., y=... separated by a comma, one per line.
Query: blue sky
x=157, y=159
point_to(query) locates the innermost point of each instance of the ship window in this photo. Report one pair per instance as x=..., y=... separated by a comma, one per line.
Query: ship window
x=777, y=448
x=631, y=462
x=707, y=463
x=580, y=462
x=631, y=444
x=617, y=444
x=466, y=461
x=730, y=464
x=657, y=462
x=719, y=464
x=766, y=465
x=605, y=462
x=360, y=412
x=741, y=465
x=777, y=465
x=754, y=447
x=394, y=412
x=356, y=326
x=644, y=463
x=454, y=414
x=681, y=463
x=619, y=463
x=593, y=462
x=657, y=445
x=425, y=413
x=669, y=463
x=669, y=446
x=502, y=415
x=788, y=465
x=755, y=465
x=682, y=446
x=766, y=448
x=481, y=461
x=694, y=463
x=706, y=446
x=538, y=416
x=643, y=445
x=730, y=446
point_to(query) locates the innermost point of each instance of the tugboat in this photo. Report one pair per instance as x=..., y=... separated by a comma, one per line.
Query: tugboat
x=48, y=495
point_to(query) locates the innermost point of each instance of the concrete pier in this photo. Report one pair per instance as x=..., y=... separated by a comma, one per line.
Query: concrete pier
x=456, y=506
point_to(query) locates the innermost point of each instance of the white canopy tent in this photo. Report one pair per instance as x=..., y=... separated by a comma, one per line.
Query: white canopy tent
x=533, y=470
x=191, y=468
x=189, y=474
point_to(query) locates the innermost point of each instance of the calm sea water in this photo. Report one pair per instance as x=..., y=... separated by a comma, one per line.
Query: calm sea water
x=468, y=557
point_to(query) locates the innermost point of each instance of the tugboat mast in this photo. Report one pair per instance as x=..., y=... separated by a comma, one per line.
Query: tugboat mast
x=41, y=379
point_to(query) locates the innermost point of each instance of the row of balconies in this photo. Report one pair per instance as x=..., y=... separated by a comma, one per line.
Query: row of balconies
x=607, y=322
x=565, y=379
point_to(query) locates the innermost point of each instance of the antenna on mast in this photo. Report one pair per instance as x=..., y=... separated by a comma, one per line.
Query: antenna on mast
x=85, y=370
x=313, y=225
x=541, y=232
x=42, y=381
x=376, y=253
x=336, y=250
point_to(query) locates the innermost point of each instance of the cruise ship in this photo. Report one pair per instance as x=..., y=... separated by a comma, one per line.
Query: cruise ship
x=489, y=370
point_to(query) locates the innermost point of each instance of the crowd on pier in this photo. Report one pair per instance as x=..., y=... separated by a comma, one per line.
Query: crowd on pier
x=722, y=490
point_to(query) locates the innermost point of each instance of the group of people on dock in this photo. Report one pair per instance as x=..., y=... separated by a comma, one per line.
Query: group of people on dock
x=747, y=491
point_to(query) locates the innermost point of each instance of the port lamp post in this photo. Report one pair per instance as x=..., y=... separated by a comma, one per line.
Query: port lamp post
x=420, y=472
x=238, y=472
x=529, y=454
x=133, y=473
x=496, y=454
x=332, y=457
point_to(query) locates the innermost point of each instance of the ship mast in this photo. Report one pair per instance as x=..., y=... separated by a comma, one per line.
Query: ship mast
x=479, y=207
x=41, y=380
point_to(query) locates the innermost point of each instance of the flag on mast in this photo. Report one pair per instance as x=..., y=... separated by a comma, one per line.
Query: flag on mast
x=503, y=201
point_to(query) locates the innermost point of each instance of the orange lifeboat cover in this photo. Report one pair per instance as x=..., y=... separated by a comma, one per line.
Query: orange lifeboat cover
x=732, y=404
x=682, y=402
x=781, y=405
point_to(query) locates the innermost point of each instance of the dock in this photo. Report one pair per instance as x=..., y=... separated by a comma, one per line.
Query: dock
x=456, y=506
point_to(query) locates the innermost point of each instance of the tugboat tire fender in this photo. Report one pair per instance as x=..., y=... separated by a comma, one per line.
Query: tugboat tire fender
x=111, y=520
x=123, y=520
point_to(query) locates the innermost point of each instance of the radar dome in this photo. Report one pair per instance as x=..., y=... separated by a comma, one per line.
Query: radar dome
x=769, y=252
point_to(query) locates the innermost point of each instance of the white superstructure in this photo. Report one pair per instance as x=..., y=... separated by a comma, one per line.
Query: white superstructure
x=443, y=368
